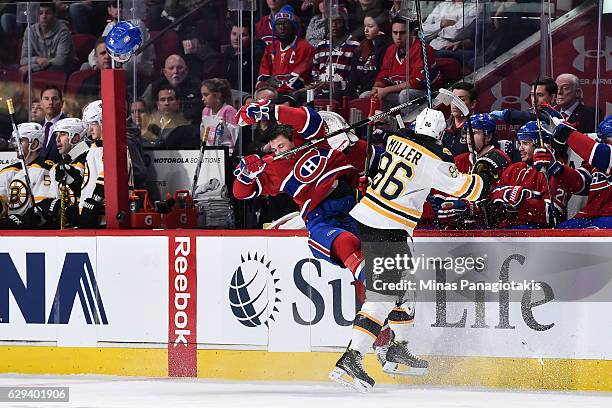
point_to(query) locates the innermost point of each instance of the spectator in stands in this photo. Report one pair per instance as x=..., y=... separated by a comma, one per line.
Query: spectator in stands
x=38, y=113
x=449, y=29
x=358, y=11
x=135, y=125
x=87, y=16
x=545, y=93
x=203, y=60
x=369, y=55
x=168, y=127
x=187, y=89
x=218, y=113
x=317, y=27
x=90, y=89
x=206, y=24
x=455, y=138
x=342, y=49
x=287, y=61
x=232, y=60
x=569, y=104
x=51, y=44
x=264, y=28
x=395, y=9
x=511, y=23
x=139, y=114
x=144, y=61
x=391, y=86
x=71, y=108
x=52, y=100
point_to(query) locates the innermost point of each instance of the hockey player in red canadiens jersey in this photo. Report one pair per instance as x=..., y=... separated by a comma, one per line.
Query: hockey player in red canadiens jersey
x=521, y=197
x=455, y=213
x=320, y=179
x=594, y=177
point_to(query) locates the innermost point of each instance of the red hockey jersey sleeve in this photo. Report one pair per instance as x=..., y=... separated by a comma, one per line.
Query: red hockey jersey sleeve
x=597, y=154
x=306, y=122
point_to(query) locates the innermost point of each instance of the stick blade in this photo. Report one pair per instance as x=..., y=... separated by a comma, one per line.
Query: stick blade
x=446, y=97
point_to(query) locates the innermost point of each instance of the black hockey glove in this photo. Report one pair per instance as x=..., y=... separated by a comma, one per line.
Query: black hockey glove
x=490, y=167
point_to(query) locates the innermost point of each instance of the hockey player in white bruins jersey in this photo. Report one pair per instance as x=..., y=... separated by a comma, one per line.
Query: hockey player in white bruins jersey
x=91, y=204
x=23, y=205
x=411, y=166
x=69, y=134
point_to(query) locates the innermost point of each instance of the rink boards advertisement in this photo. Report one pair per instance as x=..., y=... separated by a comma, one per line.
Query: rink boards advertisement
x=189, y=302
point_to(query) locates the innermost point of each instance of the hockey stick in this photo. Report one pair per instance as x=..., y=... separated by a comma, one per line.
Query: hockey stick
x=196, y=176
x=11, y=111
x=551, y=209
x=424, y=52
x=366, y=167
x=355, y=125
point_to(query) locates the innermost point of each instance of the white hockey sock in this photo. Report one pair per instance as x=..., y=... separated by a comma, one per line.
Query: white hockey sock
x=368, y=323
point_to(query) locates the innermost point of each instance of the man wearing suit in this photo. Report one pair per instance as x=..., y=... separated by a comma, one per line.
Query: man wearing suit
x=51, y=100
x=569, y=104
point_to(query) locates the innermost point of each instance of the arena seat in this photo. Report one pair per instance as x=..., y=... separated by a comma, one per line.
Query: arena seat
x=450, y=68
x=76, y=79
x=83, y=44
x=10, y=75
x=363, y=105
x=41, y=79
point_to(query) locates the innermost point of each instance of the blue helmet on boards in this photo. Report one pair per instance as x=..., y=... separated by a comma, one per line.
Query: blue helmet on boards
x=123, y=41
x=604, y=130
x=530, y=131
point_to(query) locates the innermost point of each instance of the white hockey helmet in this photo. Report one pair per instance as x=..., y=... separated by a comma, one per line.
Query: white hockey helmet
x=430, y=122
x=74, y=127
x=334, y=122
x=33, y=132
x=93, y=113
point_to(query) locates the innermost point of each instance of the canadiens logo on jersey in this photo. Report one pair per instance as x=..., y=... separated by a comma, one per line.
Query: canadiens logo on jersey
x=309, y=167
x=600, y=181
x=18, y=196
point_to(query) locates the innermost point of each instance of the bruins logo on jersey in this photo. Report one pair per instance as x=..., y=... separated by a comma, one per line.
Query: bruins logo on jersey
x=18, y=196
x=69, y=196
x=85, y=176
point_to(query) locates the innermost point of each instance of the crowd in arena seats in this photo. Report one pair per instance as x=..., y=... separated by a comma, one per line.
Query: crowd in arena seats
x=185, y=88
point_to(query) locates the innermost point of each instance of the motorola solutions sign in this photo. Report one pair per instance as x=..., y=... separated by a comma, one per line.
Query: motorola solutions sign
x=248, y=291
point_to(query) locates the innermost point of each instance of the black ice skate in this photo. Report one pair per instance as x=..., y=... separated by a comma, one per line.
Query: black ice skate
x=349, y=372
x=400, y=361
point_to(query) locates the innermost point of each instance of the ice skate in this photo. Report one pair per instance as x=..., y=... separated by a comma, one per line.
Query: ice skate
x=400, y=361
x=349, y=372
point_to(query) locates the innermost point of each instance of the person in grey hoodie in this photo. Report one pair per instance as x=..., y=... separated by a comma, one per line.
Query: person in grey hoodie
x=51, y=44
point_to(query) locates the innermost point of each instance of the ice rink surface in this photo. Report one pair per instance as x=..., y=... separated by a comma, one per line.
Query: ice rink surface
x=129, y=392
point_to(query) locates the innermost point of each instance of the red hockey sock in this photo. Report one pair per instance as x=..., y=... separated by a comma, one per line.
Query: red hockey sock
x=347, y=249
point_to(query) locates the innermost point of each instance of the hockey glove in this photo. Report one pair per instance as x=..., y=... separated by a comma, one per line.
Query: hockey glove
x=452, y=211
x=511, y=197
x=363, y=184
x=499, y=114
x=544, y=159
x=249, y=168
x=490, y=167
x=254, y=112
